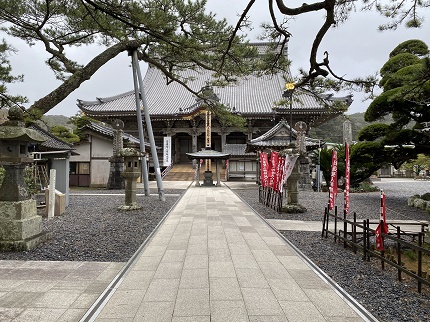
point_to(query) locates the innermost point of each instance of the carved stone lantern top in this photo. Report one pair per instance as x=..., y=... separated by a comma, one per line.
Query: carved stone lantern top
x=131, y=152
x=14, y=133
x=15, y=117
x=131, y=160
x=14, y=138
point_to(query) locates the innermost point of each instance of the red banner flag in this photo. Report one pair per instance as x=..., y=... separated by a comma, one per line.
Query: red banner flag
x=383, y=226
x=264, y=169
x=274, y=160
x=333, y=180
x=347, y=179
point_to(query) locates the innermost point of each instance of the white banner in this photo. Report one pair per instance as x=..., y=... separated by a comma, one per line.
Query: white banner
x=288, y=168
x=167, y=151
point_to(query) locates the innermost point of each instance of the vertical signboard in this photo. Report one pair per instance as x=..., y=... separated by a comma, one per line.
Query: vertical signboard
x=167, y=151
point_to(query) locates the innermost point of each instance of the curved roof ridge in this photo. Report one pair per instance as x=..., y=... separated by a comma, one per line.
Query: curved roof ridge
x=273, y=131
x=108, y=131
x=52, y=142
x=101, y=100
x=250, y=95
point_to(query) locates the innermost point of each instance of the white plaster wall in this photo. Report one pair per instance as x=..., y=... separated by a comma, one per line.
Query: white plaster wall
x=99, y=173
x=84, y=152
x=243, y=169
x=101, y=147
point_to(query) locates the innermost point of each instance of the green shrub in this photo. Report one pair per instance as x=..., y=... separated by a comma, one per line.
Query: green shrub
x=411, y=255
x=364, y=187
x=420, y=203
x=426, y=196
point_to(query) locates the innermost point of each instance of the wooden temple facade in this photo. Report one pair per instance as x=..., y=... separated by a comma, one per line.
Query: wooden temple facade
x=178, y=114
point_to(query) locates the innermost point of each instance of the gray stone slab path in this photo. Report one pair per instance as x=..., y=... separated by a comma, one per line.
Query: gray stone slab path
x=51, y=291
x=213, y=259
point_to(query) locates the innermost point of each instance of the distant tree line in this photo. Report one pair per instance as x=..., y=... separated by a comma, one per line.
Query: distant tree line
x=332, y=131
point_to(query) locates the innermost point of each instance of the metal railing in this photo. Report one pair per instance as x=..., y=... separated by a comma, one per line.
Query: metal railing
x=166, y=171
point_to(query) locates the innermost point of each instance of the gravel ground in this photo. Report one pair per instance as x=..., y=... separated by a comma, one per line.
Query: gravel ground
x=93, y=230
x=377, y=290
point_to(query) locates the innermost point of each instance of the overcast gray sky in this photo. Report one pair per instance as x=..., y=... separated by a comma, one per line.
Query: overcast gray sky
x=356, y=48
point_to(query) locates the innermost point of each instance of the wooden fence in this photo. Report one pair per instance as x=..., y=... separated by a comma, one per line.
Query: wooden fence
x=357, y=235
x=270, y=198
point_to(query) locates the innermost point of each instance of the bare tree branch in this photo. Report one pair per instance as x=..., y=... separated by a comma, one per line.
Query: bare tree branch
x=44, y=104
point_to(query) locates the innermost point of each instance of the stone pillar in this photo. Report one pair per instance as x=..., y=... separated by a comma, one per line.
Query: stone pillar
x=198, y=174
x=293, y=205
x=292, y=183
x=194, y=141
x=305, y=180
x=194, y=146
x=218, y=175
x=347, y=131
x=223, y=140
x=116, y=181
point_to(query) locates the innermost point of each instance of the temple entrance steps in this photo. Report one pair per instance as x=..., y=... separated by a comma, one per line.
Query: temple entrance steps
x=185, y=172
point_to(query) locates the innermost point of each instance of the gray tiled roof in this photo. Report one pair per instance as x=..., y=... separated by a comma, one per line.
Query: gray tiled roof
x=273, y=132
x=272, y=138
x=208, y=154
x=237, y=150
x=52, y=142
x=108, y=131
x=251, y=95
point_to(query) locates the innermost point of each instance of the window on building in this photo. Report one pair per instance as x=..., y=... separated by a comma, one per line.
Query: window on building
x=79, y=168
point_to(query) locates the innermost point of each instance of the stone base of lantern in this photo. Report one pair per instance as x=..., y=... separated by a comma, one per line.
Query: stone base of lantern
x=21, y=228
x=130, y=178
x=129, y=207
x=208, y=178
x=294, y=209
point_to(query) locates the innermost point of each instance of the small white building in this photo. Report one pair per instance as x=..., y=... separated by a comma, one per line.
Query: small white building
x=91, y=167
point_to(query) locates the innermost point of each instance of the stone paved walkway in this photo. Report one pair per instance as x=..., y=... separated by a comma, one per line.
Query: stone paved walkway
x=213, y=259
x=51, y=291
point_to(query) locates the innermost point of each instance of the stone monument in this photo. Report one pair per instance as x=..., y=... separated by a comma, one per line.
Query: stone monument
x=116, y=181
x=293, y=205
x=20, y=226
x=305, y=181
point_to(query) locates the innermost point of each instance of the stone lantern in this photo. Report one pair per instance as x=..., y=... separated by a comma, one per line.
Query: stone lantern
x=20, y=226
x=130, y=174
x=293, y=205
